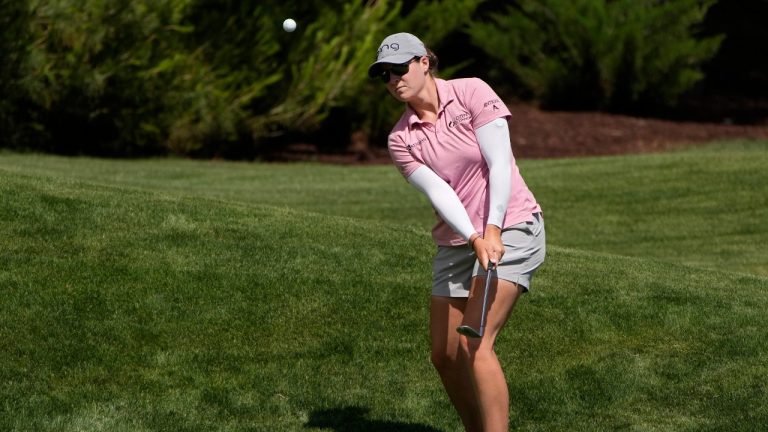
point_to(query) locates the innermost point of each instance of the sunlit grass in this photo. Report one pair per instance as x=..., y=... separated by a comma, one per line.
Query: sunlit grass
x=197, y=296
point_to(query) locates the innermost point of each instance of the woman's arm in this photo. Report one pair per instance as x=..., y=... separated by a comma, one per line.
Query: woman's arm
x=497, y=151
x=444, y=200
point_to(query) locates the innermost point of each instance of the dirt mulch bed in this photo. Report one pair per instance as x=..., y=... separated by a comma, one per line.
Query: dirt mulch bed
x=539, y=134
x=545, y=134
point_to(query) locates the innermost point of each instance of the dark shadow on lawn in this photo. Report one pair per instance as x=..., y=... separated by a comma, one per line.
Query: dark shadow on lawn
x=353, y=419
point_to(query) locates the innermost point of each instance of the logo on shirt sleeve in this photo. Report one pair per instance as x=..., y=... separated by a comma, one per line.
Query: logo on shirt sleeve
x=411, y=146
x=494, y=103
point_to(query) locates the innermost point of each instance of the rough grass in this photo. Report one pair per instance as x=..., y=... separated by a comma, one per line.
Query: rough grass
x=151, y=295
x=704, y=206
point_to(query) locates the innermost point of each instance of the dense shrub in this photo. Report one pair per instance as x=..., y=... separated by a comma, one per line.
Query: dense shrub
x=620, y=55
x=197, y=77
x=736, y=84
x=89, y=76
x=213, y=78
x=14, y=43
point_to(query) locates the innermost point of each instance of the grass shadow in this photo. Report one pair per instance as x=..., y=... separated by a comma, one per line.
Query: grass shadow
x=353, y=419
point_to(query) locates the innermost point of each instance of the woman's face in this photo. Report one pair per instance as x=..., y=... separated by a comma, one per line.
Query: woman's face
x=405, y=87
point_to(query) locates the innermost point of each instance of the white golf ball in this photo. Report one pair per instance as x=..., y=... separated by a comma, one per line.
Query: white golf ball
x=289, y=25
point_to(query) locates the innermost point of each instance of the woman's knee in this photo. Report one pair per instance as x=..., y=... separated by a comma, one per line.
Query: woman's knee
x=473, y=349
x=443, y=361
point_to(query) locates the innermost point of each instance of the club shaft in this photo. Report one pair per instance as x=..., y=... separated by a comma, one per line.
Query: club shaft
x=484, y=310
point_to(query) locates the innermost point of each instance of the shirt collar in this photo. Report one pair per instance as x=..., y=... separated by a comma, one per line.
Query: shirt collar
x=445, y=96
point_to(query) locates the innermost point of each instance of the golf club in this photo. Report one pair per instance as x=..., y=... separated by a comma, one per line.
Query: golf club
x=469, y=331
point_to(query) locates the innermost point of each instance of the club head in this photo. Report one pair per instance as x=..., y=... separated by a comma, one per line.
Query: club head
x=468, y=331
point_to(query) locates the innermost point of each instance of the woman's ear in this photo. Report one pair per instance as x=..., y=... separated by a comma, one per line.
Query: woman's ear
x=424, y=62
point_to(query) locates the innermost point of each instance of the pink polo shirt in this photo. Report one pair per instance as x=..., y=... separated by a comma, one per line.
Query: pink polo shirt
x=449, y=147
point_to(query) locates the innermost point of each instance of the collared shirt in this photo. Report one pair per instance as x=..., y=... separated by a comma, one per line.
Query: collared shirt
x=449, y=147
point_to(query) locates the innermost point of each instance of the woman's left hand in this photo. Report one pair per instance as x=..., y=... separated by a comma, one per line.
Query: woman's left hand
x=489, y=248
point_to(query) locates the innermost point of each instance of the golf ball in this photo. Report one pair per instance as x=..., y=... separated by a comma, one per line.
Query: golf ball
x=289, y=25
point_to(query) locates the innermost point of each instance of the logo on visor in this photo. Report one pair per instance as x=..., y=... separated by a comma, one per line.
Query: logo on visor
x=392, y=47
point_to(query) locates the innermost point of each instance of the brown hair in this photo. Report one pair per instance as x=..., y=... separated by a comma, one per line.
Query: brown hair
x=432, y=61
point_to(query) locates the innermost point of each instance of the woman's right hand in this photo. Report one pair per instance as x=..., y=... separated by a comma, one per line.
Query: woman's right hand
x=487, y=250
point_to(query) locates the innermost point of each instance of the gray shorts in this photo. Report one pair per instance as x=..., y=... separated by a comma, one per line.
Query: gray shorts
x=524, y=244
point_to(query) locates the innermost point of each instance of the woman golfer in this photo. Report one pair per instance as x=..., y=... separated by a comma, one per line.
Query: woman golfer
x=452, y=143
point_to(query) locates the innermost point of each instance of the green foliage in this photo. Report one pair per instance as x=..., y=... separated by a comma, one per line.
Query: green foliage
x=617, y=55
x=327, y=64
x=14, y=43
x=221, y=78
x=89, y=73
x=196, y=77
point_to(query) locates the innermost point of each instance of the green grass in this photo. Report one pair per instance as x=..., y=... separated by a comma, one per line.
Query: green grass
x=704, y=207
x=359, y=192
x=170, y=295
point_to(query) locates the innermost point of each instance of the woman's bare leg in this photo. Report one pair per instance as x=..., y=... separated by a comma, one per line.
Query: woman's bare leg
x=490, y=385
x=446, y=314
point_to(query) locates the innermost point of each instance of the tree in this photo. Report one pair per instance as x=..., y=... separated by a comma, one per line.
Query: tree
x=622, y=55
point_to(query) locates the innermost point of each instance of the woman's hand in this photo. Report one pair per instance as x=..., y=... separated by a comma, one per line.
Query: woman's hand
x=489, y=248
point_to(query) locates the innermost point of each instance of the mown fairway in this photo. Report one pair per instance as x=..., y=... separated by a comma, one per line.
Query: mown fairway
x=196, y=296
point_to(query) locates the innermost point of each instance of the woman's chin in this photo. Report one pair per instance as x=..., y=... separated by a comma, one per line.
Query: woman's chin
x=400, y=94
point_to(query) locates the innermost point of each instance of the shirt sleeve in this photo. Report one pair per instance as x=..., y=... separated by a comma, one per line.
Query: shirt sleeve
x=483, y=103
x=405, y=162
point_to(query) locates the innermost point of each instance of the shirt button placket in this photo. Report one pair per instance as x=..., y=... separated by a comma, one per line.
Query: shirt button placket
x=429, y=131
x=435, y=131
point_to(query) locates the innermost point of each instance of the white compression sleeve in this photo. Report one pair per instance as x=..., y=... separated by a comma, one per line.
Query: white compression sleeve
x=497, y=151
x=443, y=199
